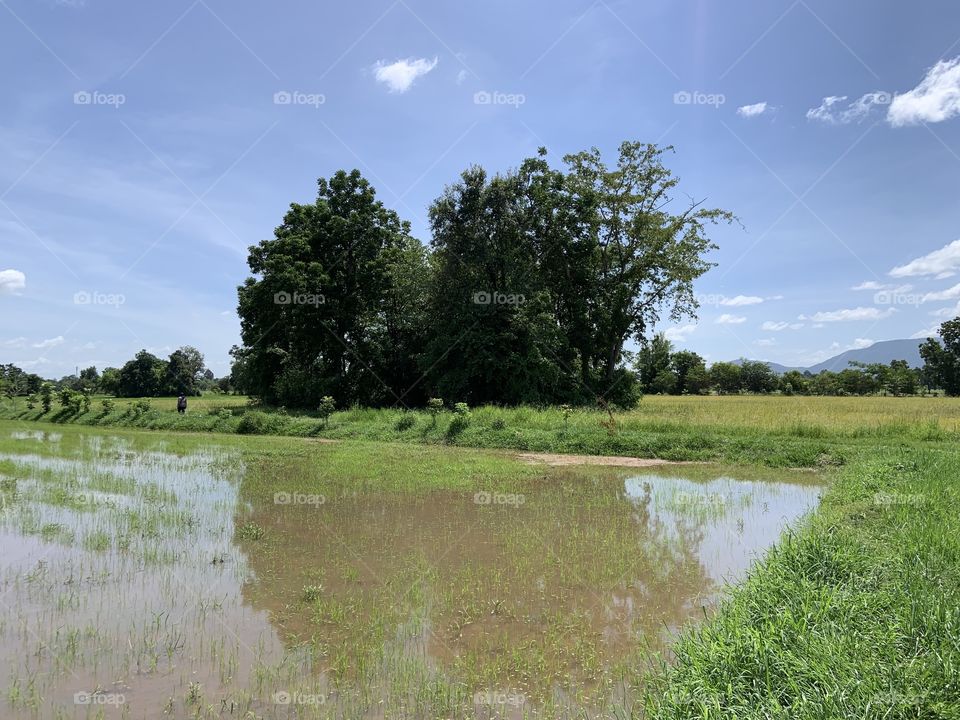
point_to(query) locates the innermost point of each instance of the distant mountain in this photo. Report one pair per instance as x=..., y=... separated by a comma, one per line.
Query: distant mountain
x=880, y=352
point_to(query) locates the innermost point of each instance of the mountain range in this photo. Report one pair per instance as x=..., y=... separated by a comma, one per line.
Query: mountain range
x=880, y=352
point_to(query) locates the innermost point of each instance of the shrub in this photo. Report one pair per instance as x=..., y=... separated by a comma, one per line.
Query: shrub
x=327, y=406
x=498, y=423
x=141, y=406
x=108, y=405
x=461, y=419
x=46, y=396
x=254, y=422
x=405, y=422
x=434, y=406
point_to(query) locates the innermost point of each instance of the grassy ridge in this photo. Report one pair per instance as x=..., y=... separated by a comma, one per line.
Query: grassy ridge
x=858, y=616
x=779, y=431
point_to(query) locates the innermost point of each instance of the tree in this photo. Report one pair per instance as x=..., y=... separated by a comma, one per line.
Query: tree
x=647, y=257
x=725, y=377
x=653, y=359
x=493, y=334
x=757, y=377
x=313, y=312
x=942, y=360
x=794, y=382
x=142, y=377
x=183, y=371
x=901, y=379
x=110, y=381
x=691, y=372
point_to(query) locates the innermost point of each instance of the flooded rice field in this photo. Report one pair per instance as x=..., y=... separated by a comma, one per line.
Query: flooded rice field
x=139, y=580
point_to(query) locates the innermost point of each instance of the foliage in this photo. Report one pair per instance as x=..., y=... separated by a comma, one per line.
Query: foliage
x=533, y=283
x=942, y=360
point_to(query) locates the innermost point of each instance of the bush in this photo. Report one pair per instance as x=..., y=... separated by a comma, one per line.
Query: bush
x=498, y=423
x=327, y=406
x=108, y=405
x=141, y=406
x=406, y=421
x=254, y=422
x=461, y=419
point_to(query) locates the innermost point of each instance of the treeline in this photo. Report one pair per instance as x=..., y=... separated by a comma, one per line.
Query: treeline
x=663, y=371
x=531, y=285
x=145, y=375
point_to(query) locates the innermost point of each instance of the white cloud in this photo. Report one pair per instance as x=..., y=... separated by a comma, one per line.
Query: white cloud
x=399, y=76
x=831, y=111
x=869, y=285
x=679, y=333
x=766, y=342
x=861, y=343
x=461, y=76
x=749, y=111
x=853, y=314
x=12, y=282
x=728, y=319
x=50, y=342
x=951, y=311
x=928, y=333
x=29, y=364
x=740, y=300
x=17, y=342
x=942, y=263
x=951, y=293
x=935, y=99
x=774, y=326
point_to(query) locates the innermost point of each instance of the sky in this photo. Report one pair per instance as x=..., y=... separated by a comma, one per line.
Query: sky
x=145, y=146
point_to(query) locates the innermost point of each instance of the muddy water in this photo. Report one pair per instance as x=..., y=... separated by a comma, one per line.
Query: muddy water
x=136, y=582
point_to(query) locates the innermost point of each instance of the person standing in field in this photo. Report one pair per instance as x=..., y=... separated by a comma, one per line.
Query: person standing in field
x=182, y=404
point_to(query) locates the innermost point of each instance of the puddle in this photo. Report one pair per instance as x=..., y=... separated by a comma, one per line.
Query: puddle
x=140, y=582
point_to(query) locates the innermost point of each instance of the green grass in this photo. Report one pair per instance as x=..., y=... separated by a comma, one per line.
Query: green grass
x=773, y=431
x=857, y=616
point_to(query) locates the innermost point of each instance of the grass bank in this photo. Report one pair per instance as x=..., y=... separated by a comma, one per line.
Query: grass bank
x=772, y=431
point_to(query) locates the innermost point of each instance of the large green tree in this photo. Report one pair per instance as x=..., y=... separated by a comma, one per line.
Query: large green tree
x=323, y=313
x=649, y=250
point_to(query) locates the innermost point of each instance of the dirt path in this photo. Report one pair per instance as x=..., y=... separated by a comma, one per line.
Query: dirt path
x=558, y=460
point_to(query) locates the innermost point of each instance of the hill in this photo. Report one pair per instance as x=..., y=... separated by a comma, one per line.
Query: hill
x=880, y=352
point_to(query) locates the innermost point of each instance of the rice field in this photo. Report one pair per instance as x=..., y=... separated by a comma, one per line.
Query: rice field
x=159, y=576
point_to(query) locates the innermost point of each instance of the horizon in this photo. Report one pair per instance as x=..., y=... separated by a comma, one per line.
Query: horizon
x=148, y=147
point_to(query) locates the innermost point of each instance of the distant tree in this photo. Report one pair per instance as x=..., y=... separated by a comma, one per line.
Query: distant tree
x=725, y=377
x=942, y=360
x=89, y=379
x=825, y=383
x=183, y=370
x=901, y=379
x=757, y=377
x=665, y=383
x=683, y=363
x=143, y=376
x=110, y=381
x=794, y=382
x=697, y=381
x=653, y=359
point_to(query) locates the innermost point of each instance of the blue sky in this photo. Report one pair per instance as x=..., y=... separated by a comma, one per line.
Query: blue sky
x=145, y=146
